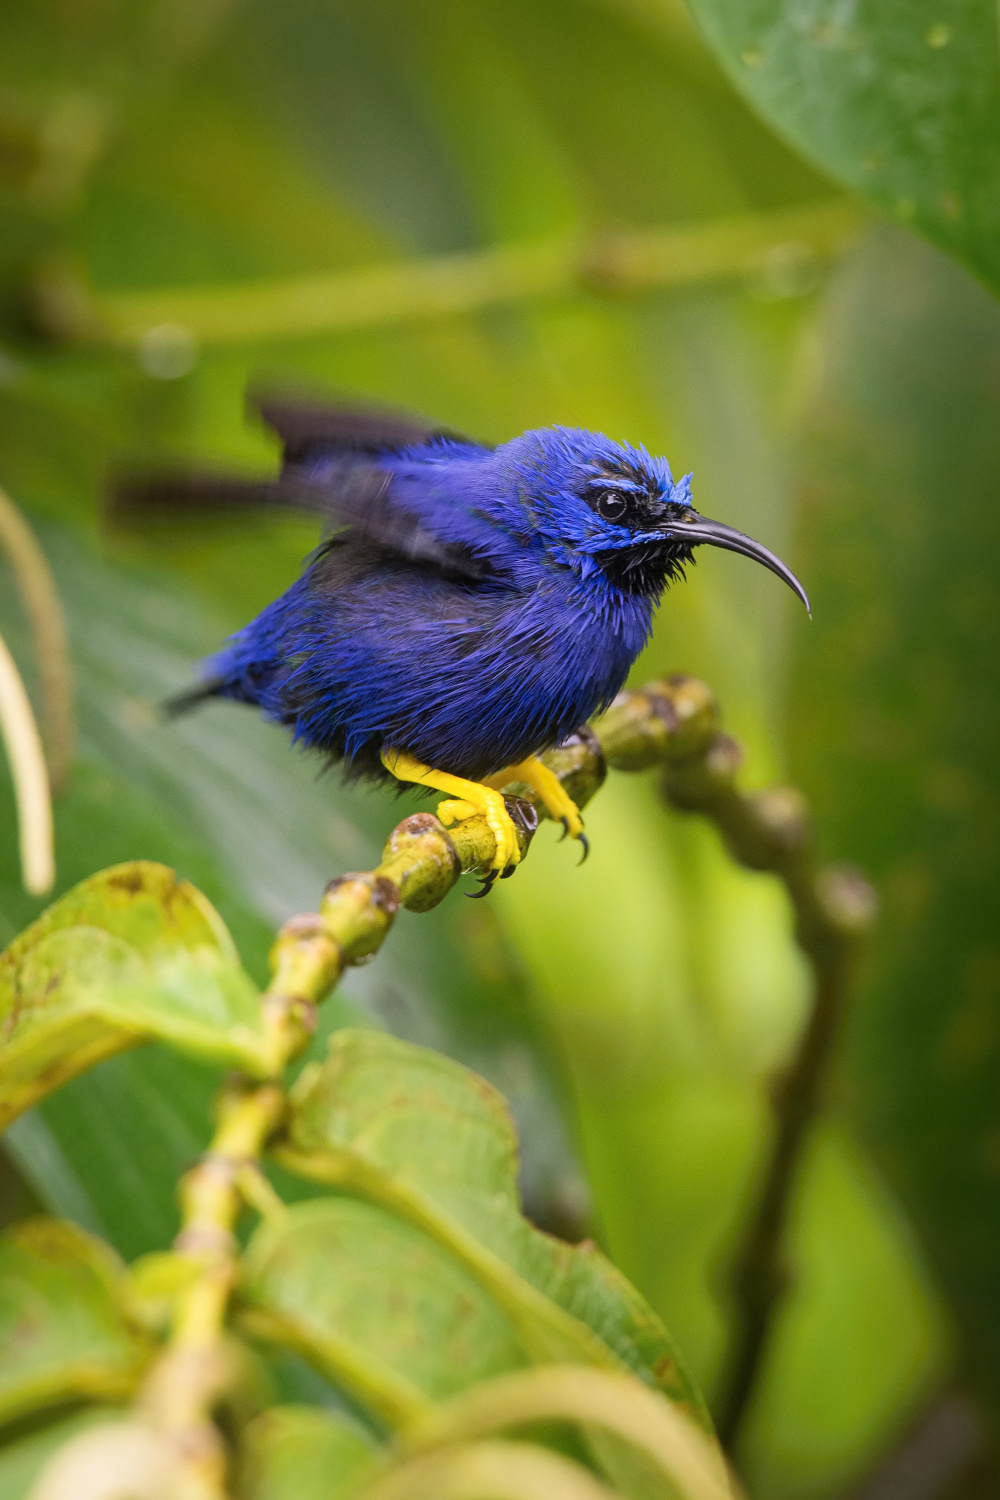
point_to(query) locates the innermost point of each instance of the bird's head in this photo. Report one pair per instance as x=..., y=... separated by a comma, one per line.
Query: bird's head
x=606, y=508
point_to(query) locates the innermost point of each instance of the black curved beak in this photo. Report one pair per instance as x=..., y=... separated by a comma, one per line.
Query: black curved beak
x=695, y=530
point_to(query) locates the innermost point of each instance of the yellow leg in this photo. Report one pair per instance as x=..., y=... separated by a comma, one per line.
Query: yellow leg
x=467, y=799
x=559, y=806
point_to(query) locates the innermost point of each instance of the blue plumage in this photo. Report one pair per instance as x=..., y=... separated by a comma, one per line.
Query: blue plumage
x=470, y=607
x=368, y=649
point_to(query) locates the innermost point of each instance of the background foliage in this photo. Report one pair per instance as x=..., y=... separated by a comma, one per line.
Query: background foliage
x=841, y=410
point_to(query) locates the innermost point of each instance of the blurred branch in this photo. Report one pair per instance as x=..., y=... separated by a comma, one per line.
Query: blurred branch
x=40, y=600
x=933, y=1457
x=777, y=250
x=834, y=910
x=31, y=782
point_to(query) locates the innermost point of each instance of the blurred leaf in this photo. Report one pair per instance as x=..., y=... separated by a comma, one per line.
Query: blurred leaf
x=895, y=725
x=113, y=1458
x=417, y=1133
x=463, y=1470
x=375, y=1305
x=657, y=1449
x=300, y=1453
x=901, y=102
x=63, y=1333
x=23, y=1460
x=131, y=953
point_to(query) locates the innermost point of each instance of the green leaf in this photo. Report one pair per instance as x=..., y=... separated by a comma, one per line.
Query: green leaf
x=899, y=101
x=427, y=1138
x=129, y=954
x=896, y=718
x=375, y=1305
x=300, y=1453
x=62, y=1332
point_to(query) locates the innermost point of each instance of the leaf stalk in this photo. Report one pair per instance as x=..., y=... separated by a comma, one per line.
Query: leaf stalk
x=40, y=600
x=31, y=781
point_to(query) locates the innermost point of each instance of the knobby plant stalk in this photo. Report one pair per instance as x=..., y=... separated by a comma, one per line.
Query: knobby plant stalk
x=760, y=247
x=196, y=1368
x=40, y=600
x=834, y=910
x=672, y=724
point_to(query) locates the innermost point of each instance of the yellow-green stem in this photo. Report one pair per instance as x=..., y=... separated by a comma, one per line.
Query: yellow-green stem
x=751, y=246
x=187, y=1380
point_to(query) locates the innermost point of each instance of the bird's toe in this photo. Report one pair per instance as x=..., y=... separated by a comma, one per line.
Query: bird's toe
x=485, y=886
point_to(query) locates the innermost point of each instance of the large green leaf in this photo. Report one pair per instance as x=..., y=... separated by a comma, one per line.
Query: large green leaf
x=130, y=954
x=899, y=100
x=896, y=716
x=417, y=1132
x=300, y=1453
x=377, y=1306
x=62, y=1331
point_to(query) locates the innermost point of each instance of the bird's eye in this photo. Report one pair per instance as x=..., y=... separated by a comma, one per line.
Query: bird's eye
x=611, y=506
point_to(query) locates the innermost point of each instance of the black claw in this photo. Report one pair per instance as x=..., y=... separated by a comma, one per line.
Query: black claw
x=586, y=847
x=485, y=887
x=508, y=872
x=565, y=824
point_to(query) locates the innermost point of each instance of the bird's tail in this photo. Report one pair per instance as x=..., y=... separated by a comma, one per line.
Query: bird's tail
x=182, y=703
x=184, y=495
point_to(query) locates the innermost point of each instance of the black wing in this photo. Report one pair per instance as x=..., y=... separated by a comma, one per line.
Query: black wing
x=356, y=496
x=305, y=423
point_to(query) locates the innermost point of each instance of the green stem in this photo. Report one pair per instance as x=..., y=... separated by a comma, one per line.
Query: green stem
x=738, y=247
x=196, y=1367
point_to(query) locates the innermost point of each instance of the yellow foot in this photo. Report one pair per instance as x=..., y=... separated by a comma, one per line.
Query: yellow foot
x=549, y=789
x=468, y=799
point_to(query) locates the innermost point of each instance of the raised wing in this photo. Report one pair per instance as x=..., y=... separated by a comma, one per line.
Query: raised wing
x=355, y=492
x=358, y=497
x=307, y=425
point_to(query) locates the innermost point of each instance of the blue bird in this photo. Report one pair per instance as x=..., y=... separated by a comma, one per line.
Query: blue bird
x=469, y=608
